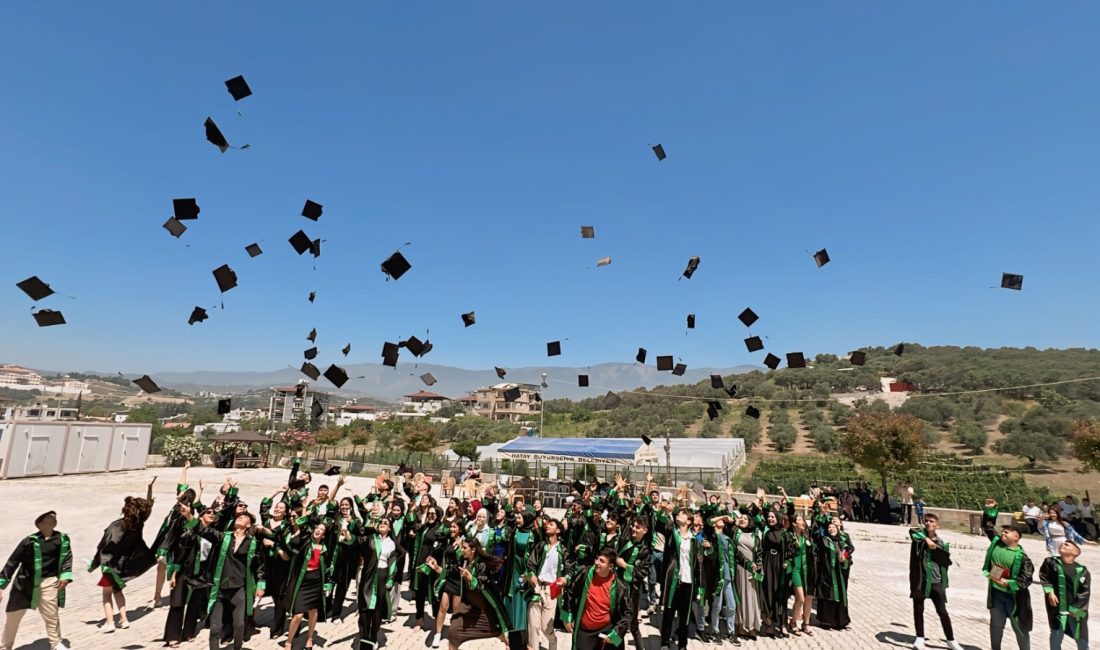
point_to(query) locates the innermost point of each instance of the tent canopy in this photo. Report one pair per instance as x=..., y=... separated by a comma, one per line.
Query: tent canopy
x=616, y=451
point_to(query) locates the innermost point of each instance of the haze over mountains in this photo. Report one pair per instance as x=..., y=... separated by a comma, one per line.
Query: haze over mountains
x=382, y=382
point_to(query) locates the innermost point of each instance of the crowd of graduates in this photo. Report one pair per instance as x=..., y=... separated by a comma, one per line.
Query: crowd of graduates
x=490, y=567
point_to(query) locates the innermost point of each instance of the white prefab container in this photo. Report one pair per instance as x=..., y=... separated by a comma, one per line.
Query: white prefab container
x=53, y=448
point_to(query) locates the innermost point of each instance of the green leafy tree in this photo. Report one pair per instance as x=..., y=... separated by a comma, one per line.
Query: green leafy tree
x=450, y=410
x=1032, y=446
x=466, y=448
x=783, y=436
x=888, y=443
x=418, y=438
x=329, y=437
x=710, y=429
x=580, y=414
x=972, y=435
x=358, y=438
x=748, y=429
x=1086, y=444
x=825, y=438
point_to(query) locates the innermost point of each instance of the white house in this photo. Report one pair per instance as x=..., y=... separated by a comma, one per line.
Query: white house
x=348, y=413
x=422, y=403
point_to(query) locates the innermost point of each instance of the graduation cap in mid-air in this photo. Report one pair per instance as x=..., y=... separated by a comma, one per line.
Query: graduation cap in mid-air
x=553, y=348
x=35, y=288
x=224, y=406
x=582, y=381
x=511, y=394
x=716, y=381
x=299, y=390
x=48, y=317
x=469, y=318
x=312, y=296
x=659, y=151
x=311, y=354
x=428, y=378
x=692, y=264
x=226, y=277
x=301, y=242
x=588, y=232
x=664, y=362
x=315, y=248
x=754, y=343
x=238, y=87
x=183, y=209
x=312, y=336
x=332, y=471
x=611, y=400
x=500, y=371
x=215, y=137
x=680, y=369
x=1012, y=281
x=640, y=357
x=390, y=352
x=796, y=360
x=731, y=390
x=417, y=347
x=347, y=349
x=198, y=315
x=691, y=321
x=857, y=358
x=395, y=265
x=253, y=250
x=174, y=227
x=646, y=440
x=771, y=361
x=712, y=409
x=146, y=384
x=312, y=210
x=748, y=317
x=900, y=349
x=310, y=370
x=317, y=410
x=753, y=412
x=337, y=375
x=821, y=258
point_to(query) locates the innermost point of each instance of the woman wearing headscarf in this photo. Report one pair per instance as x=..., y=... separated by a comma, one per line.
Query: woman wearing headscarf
x=831, y=590
x=429, y=537
x=515, y=589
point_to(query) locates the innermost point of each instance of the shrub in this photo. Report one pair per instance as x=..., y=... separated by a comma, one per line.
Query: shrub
x=182, y=448
x=972, y=435
x=825, y=439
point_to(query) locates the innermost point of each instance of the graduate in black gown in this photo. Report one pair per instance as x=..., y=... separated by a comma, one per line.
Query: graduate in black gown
x=123, y=555
x=831, y=591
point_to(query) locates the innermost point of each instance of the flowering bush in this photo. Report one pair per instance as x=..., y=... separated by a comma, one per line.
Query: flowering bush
x=182, y=448
x=297, y=439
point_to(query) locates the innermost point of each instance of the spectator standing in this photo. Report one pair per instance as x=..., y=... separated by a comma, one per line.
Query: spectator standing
x=905, y=496
x=1086, y=519
x=1033, y=514
x=918, y=506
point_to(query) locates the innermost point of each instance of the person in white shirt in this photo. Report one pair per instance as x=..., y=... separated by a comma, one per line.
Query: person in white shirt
x=1032, y=515
x=548, y=568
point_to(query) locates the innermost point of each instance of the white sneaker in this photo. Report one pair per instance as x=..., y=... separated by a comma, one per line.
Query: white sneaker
x=436, y=642
x=62, y=645
x=125, y=625
x=954, y=645
x=918, y=643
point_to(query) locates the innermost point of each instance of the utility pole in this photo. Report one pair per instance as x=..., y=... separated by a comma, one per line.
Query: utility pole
x=668, y=452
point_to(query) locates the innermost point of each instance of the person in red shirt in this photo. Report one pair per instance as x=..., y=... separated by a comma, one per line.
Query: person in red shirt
x=604, y=608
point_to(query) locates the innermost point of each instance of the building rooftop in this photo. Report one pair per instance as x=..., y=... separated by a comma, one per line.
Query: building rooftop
x=423, y=395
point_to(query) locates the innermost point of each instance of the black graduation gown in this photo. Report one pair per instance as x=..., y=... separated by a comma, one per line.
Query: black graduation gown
x=122, y=554
x=1072, y=586
x=920, y=556
x=1023, y=576
x=774, y=591
x=374, y=584
x=22, y=572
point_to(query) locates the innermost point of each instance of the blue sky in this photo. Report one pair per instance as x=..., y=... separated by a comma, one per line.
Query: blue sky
x=930, y=148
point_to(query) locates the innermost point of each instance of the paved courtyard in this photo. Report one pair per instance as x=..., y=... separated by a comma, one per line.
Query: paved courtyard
x=879, y=605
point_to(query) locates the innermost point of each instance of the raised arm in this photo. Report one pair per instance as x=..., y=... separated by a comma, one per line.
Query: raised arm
x=149, y=489
x=181, y=485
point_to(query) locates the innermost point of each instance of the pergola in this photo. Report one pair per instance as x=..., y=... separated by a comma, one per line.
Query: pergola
x=247, y=437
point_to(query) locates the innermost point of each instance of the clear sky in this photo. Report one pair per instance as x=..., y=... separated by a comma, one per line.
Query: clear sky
x=929, y=146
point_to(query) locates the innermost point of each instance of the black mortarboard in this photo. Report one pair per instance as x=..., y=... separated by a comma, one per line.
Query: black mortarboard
x=317, y=410
x=821, y=257
x=428, y=378
x=1012, y=281
x=311, y=371
x=900, y=349
x=771, y=361
x=238, y=87
x=716, y=381
x=300, y=389
x=332, y=471
x=680, y=369
x=500, y=371
x=712, y=410
x=748, y=317
x=753, y=412
x=146, y=384
x=640, y=357
x=512, y=394
x=312, y=210
x=659, y=151
x=337, y=375
x=858, y=358
x=469, y=318
x=553, y=348
x=396, y=265
x=691, y=321
x=611, y=400
x=214, y=135
x=35, y=288
x=731, y=390
x=646, y=440
x=226, y=278
x=311, y=354
x=301, y=242
x=796, y=360
x=582, y=381
x=315, y=247
x=754, y=343
x=198, y=315
x=183, y=209
x=693, y=264
x=312, y=336
x=588, y=232
x=347, y=349
x=415, y=346
x=390, y=352
x=312, y=296
x=48, y=317
x=174, y=227
x=224, y=406
x=253, y=250
x=664, y=363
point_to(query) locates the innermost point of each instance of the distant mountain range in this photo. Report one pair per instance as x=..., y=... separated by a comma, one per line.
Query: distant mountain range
x=376, y=380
